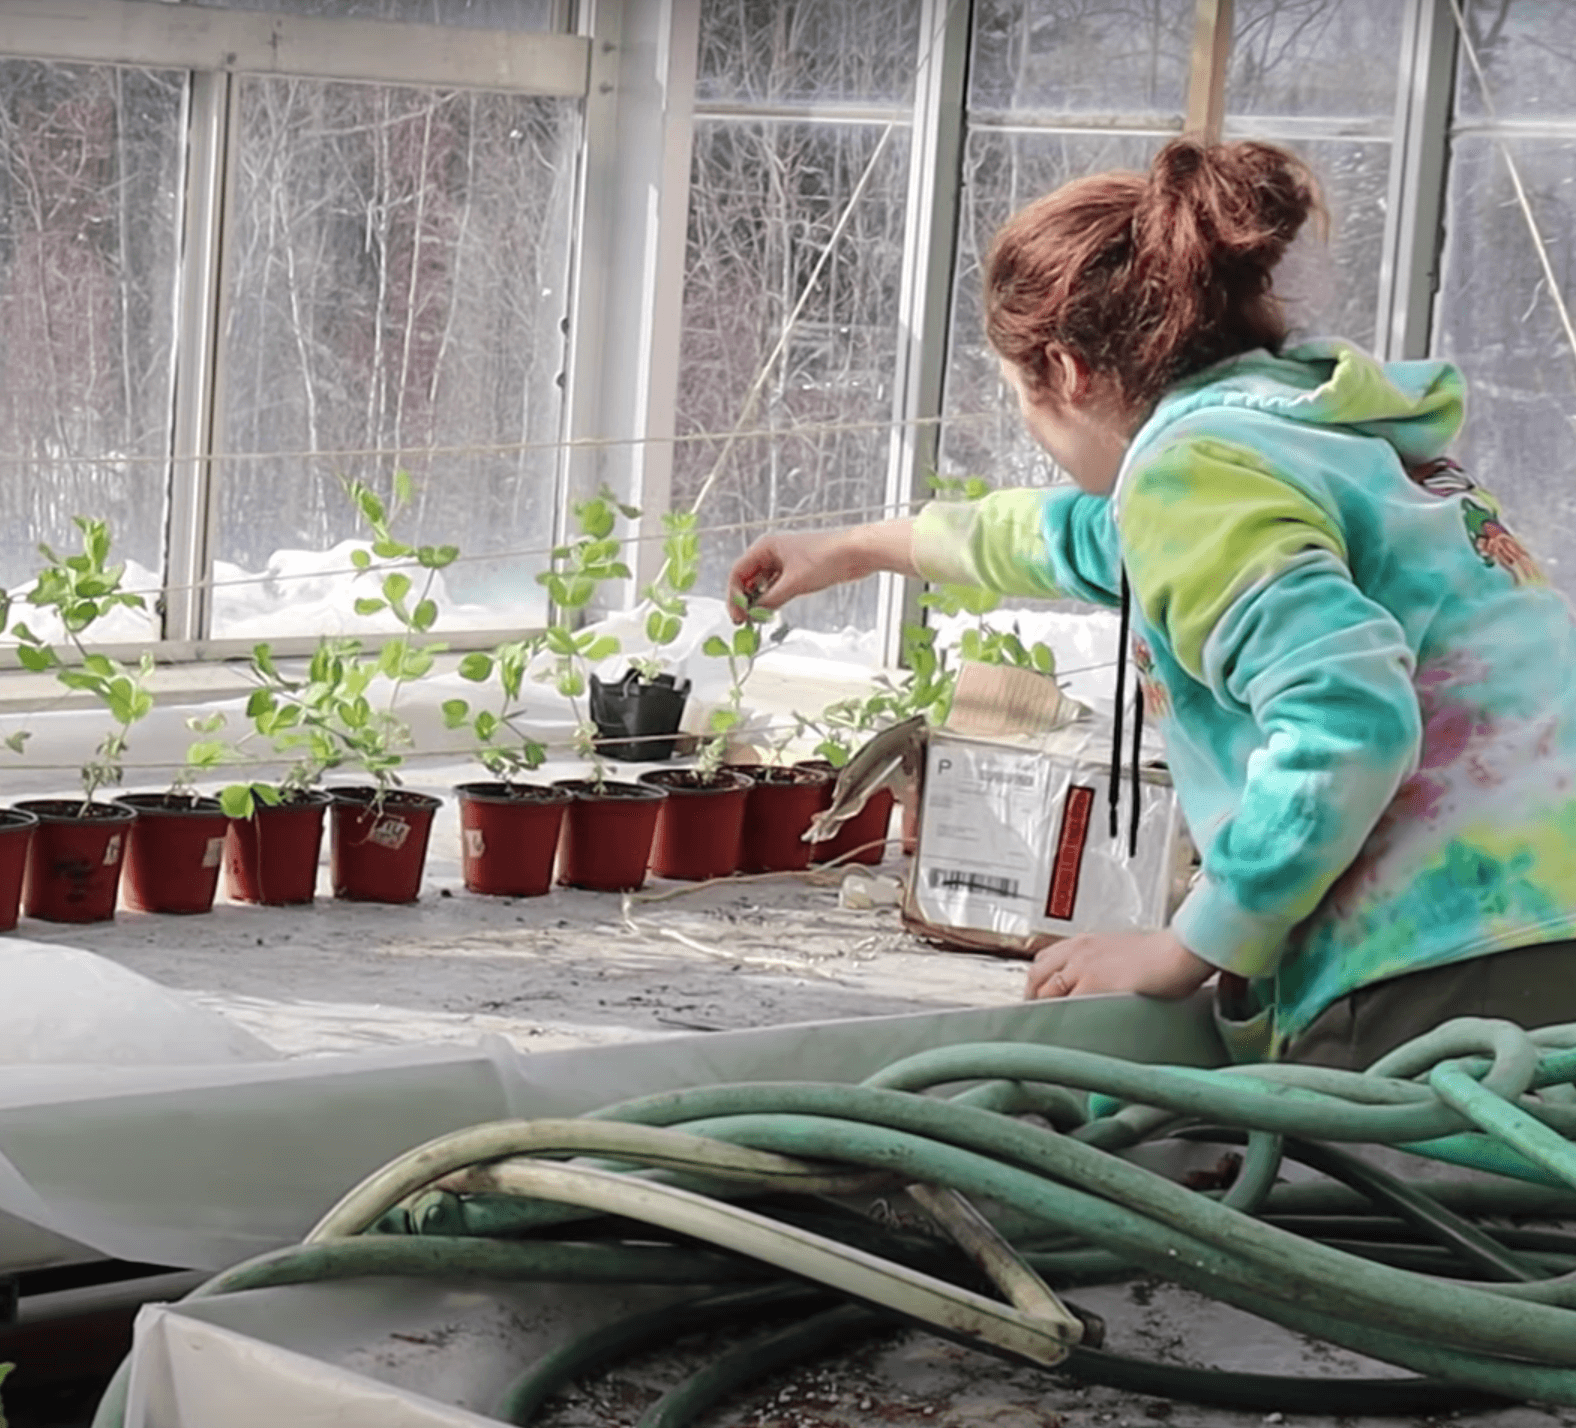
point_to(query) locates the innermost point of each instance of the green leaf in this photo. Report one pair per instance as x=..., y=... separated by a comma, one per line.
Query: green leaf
x=35, y=657
x=404, y=487
x=662, y=629
x=476, y=666
x=205, y=754
x=600, y=648
x=360, y=558
x=263, y=660
x=15, y=741
x=261, y=701
x=396, y=586
x=237, y=800
x=369, y=606
x=722, y=720
x=371, y=504
x=595, y=517
x=715, y=646
x=746, y=641
x=417, y=662
x=386, y=549
x=437, y=557
x=392, y=657
x=455, y=713
x=560, y=641
x=486, y=725
x=425, y=615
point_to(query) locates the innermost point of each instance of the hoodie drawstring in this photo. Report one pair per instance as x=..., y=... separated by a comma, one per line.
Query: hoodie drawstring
x=1115, y=790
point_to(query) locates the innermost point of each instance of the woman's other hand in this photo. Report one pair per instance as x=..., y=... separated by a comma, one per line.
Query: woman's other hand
x=1153, y=963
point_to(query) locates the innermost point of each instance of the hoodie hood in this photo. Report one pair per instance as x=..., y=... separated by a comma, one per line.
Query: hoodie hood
x=1418, y=407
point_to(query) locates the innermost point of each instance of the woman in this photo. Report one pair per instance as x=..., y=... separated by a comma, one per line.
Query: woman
x=1364, y=683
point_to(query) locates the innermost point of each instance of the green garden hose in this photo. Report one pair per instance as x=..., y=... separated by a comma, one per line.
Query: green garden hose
x=1424, y=1275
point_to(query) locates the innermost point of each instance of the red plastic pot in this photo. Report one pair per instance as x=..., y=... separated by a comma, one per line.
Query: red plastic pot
x=16, y=836
x=606, y=839
x=173, y=853
x=378, y=847
x=700, y=826
x=509, y=836
x=867, y=826
x=271, y=857
x=73, y=865
x=781, y=804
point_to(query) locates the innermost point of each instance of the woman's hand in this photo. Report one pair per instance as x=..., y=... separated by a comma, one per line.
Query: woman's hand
x=1153, y=963
x=779, y=567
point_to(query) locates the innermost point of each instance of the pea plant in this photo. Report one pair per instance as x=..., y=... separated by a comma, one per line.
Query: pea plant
x=740, y=651
x=577, y=571
x=326, y=717
x=81, y=589
x=680, y=569
x=502, y=747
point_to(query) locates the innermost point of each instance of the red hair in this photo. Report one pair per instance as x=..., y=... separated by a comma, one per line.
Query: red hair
x=1149, y=277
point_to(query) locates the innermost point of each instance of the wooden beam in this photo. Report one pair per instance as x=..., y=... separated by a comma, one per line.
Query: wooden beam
x=1206, y=90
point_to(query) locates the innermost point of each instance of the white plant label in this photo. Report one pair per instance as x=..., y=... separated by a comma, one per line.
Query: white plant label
x=475, y=844
x=112, y=850
x=213, y=853
x=390, y=833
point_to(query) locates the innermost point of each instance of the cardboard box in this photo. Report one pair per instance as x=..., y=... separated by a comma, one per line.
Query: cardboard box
x=1014, y=842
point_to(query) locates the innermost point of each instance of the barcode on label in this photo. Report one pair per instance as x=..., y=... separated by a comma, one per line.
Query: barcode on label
x=973, y=882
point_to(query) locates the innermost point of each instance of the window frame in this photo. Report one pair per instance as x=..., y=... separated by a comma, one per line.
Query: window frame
x=632, y=64
x=216, y=47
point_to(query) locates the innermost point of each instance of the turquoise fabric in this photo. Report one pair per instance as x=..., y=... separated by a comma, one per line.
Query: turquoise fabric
x=1365, y=684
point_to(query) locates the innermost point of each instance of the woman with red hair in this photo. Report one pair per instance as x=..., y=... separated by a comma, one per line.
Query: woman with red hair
x=1366, y=688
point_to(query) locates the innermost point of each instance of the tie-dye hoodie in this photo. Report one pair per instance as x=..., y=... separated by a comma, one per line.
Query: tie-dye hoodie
x=1367, y=688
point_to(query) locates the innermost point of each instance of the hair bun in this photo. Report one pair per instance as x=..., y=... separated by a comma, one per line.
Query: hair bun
x=1223, y=205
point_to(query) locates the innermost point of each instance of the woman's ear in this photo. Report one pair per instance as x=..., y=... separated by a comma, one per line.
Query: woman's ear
x=1068, y=375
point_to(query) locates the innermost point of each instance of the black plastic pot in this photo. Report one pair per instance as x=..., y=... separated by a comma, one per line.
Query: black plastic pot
x=638, y=718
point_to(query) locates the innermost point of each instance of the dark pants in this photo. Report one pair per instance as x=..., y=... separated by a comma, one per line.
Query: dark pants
x=1531, y=986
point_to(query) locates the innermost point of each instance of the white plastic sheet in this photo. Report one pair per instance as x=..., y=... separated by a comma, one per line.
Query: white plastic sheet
x=199, y=1167
x=64, y=1006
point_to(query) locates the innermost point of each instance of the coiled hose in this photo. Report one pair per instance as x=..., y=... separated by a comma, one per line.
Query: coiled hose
x=1427, y=1276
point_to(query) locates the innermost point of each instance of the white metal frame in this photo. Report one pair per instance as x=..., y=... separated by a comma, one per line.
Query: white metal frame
x=215, y=46
x=633, y=63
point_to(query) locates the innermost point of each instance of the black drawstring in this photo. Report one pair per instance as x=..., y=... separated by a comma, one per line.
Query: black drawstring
x=1138, y=742
x=1115, y=791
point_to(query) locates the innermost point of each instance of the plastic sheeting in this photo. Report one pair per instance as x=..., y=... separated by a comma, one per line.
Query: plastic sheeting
x=64, y=1006
x=199, y=1167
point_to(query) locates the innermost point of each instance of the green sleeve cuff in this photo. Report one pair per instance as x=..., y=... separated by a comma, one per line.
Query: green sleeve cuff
x=997, y=542
x=1213, y=925
x=943, y=531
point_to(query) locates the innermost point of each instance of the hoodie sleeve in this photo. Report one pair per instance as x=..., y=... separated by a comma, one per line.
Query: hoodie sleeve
x=1056, y=542
x=1246, y=576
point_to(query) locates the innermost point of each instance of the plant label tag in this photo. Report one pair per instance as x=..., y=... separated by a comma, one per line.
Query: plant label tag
x=390, y=833
x=213, y=853
x=112, y=850
x=475, y=844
